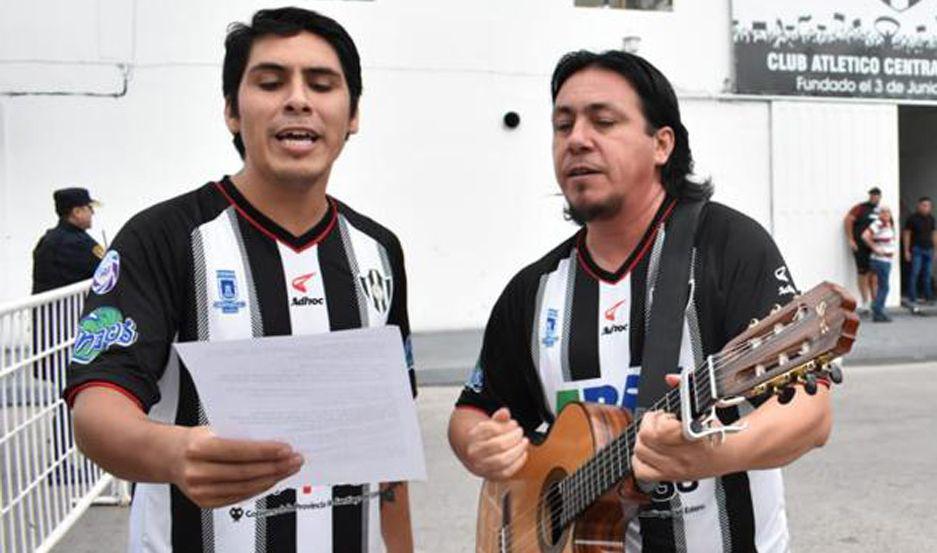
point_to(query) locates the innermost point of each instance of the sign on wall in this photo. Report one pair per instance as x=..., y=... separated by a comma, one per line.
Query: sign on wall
x=850, y=48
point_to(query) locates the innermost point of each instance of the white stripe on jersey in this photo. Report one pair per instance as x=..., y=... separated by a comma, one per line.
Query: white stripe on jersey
x=150, y=512
x=549, y=329
x=230, y=317
x=374, y=279
x=305, y=289
x=229, y=313
x=771, y=532
x=614, y=347
x=375, y=283
x=219, y=245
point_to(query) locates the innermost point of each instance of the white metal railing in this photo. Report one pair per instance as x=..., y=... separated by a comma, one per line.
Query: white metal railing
x=46, y=484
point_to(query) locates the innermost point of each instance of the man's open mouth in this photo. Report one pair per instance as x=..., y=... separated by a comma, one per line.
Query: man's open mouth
x=297, y=136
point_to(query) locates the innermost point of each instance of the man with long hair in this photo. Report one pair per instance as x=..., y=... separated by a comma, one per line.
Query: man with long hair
x=571, y=326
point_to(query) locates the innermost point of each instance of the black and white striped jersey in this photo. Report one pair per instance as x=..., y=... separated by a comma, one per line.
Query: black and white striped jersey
x=209, y=266
x=565, y=330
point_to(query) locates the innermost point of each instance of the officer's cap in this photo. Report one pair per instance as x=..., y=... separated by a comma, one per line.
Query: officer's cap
x=67, y=198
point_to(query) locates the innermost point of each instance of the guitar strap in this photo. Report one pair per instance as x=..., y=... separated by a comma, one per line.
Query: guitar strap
x=669, y=297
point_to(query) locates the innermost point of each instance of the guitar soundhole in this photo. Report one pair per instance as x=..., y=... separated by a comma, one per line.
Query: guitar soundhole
x=552, y=532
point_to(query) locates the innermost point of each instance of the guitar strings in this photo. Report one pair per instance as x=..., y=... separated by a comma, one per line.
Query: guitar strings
x=593, y=468
x=599, y=464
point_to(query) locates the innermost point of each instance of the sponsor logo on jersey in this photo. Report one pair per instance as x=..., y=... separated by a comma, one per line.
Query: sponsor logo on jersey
x=614, y=329
x=236, y=513
x=549, y=330
x=229, y=296
x=604, y=393
x=306, y=301
x=378, y=289
x=787, y=288
x=612, y=312
x=299, y=283
x=106, y=275
x=99, y=330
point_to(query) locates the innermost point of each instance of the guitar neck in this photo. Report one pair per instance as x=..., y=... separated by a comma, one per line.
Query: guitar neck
x=792, y=344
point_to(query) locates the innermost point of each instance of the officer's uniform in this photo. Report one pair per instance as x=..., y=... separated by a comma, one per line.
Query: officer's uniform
x=65, y=254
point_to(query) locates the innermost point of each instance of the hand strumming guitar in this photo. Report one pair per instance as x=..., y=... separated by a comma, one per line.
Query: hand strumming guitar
x=490, y=447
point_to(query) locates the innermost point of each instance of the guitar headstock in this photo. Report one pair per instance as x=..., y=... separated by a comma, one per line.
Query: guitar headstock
x=793, y=344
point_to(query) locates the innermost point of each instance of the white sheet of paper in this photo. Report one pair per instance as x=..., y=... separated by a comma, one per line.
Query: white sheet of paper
x=341, y=399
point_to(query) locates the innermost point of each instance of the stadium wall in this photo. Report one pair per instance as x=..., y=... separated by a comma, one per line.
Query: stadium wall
x=471, y=201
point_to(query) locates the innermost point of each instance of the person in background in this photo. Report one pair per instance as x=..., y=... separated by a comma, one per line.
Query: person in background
x=66, y=253
x=919, y=239
x=880, y=238
x=856, y=221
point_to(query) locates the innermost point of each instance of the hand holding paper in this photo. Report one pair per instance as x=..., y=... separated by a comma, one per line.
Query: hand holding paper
x=342, y=400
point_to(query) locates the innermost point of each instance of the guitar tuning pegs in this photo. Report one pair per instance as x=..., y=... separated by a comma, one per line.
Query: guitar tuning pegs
x=836, y=373
x=785, y=395
x=810, y=384
x=752, y=323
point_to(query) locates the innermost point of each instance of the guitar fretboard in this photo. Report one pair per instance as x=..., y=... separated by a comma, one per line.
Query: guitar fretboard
x=612, y=463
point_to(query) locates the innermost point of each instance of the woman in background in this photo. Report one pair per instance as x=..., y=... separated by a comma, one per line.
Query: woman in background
x=880, y=237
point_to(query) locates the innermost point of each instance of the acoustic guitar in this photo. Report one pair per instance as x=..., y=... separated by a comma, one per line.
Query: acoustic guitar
x=575, y=493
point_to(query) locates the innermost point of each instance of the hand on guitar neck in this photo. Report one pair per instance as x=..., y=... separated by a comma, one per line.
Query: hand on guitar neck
x=775, y=435
x=493, y=448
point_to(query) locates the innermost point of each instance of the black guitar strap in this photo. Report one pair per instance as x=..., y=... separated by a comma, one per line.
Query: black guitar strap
x=670, y=295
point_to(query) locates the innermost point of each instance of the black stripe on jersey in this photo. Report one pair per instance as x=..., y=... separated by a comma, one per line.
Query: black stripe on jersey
x=344, y=314
x=637, y=322
x=657, y=534
x=186, y=532
x=584, y=327
x=270, y=286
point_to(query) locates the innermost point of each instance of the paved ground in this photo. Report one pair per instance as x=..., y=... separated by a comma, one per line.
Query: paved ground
x=870, y=489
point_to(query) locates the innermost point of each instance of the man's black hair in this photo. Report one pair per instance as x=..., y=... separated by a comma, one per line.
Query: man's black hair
x=286, y=22
x=924, y=199
x=658, y=104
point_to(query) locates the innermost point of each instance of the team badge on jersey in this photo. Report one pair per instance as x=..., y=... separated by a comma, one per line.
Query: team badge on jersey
x=229, y=297
x=549, y=332
x=99, y=330
x=106, y=275
x=378, y=289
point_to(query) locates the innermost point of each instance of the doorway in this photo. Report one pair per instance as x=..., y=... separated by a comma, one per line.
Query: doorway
x=917, y=145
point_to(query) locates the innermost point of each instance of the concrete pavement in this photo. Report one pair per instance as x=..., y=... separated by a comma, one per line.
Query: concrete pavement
x=870, y=489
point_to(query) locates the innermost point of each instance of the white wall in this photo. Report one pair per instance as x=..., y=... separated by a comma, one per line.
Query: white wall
x=470, y=201
x=825, y=158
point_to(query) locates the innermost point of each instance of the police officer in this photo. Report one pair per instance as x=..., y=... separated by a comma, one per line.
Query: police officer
x=66, y=253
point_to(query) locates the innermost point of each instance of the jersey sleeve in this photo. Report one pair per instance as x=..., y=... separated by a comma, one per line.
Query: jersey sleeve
x=498, y=378
x=757, y=276
x=398, y=314
x=130, y=316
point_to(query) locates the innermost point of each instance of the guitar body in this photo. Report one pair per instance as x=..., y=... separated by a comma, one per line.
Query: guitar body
x=516, y=504
x=558, y=503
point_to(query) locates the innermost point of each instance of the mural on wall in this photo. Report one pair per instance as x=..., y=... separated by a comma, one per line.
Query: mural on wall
x=849, y=48
x=658, y=5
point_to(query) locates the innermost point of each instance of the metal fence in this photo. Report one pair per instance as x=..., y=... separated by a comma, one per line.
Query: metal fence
x=46, y=484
